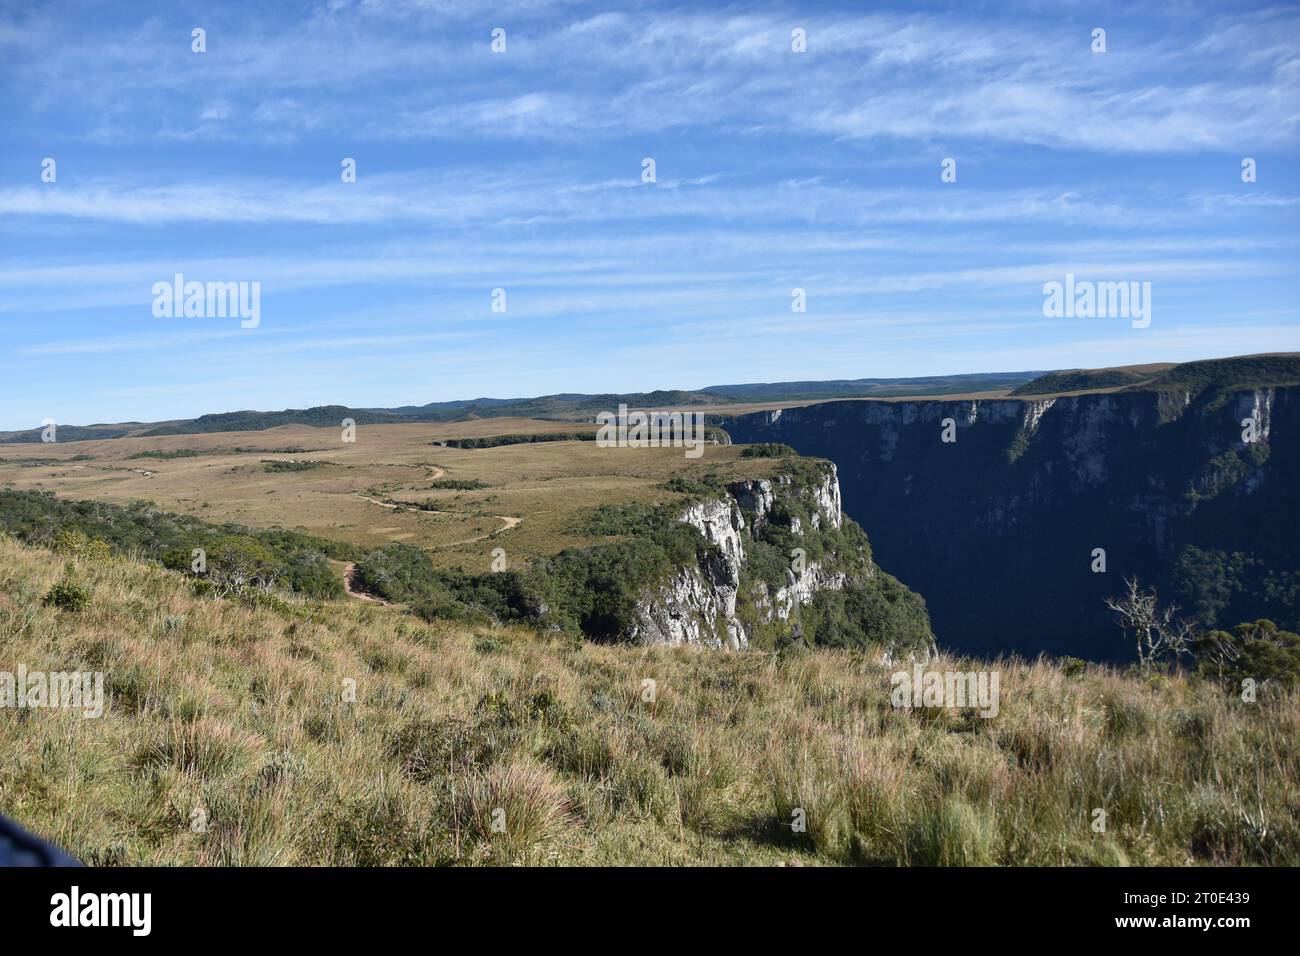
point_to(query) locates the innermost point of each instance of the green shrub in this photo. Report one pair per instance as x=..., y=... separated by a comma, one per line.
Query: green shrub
x=93, y=530
x=1258, y=651
x=68, y=595
x=495, y=441
x=768, y=449
x=1071, y=666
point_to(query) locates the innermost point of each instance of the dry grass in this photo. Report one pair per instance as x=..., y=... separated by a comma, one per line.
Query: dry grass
x=547, y=484
x=228, y=740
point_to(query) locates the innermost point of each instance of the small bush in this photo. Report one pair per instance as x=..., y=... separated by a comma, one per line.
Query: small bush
x=1071, y=666
x=68, y=595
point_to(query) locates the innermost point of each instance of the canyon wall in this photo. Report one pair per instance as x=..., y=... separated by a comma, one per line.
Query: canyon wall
x=999, y=529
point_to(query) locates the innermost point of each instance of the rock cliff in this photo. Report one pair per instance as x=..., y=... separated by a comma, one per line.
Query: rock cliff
x=775, y=551
x=1194, y=490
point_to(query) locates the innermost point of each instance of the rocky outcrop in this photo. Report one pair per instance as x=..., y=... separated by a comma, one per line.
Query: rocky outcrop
x=698, y=605
x=799, y=589
x=702, y=604
x=695, y=607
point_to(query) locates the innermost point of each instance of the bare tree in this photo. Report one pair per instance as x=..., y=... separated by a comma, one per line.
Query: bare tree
x=1158, y=632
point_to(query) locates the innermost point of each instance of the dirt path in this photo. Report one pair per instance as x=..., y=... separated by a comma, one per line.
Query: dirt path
x=508, y=521
x=353, y=586
x=382, y=504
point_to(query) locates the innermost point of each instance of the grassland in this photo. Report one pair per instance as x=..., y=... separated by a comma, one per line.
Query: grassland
x=391, y=485
x=229, y=739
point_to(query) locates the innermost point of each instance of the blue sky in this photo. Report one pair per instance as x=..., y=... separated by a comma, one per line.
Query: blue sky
x=522, y=170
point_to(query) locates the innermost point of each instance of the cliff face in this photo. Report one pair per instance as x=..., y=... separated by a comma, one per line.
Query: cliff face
x=698, y=604
x=999, y=529
x=775, y=551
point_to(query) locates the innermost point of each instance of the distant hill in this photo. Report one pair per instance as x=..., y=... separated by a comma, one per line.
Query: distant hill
x=1245, y=371
x=1082, y=380
x=320, y=416
x=566, y=406
x=872, y=387
x=1275, y=369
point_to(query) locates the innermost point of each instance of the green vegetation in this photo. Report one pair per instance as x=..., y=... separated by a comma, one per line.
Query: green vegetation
x=1217, y=587
x=1216, y=376
x=171, y=455
x=768, y=449
x=45, y=462
x=495, y=441
x=599, y=592
x=1257, y=651
x=405, y=575
x=275, y=465
x=594, y=591
x=587, y=592
x=200, y=452
x=1081, y=380
x=67, y=594
x=236, y=556
x=871, y=608
x=321, y=416
x=1223, y=376
x=710, y=485
x=457, y=484
x=870, y=387
x=67, y=433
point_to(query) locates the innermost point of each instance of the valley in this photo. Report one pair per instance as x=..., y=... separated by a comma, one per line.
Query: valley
x=1186, y=477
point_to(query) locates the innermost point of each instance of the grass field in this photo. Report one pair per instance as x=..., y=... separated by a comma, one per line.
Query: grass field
x=230, y=738
x=531, y=497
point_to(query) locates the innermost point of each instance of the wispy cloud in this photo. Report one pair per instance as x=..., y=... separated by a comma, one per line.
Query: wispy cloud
x=774, y=170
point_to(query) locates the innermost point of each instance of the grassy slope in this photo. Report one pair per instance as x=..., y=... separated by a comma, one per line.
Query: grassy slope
x=236, y=710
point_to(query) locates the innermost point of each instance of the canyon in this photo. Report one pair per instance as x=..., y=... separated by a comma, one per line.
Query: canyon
x=1191, y=489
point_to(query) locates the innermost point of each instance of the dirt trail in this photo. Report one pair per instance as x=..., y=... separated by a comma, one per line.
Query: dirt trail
x=508, y=521
x=382, y=504
x=353, y=587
